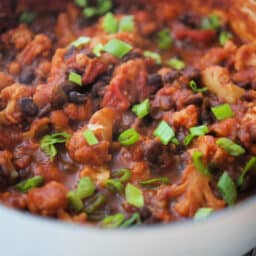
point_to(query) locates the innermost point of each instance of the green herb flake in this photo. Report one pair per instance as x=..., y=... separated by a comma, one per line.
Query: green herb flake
x=26, y=185
x=134, y=196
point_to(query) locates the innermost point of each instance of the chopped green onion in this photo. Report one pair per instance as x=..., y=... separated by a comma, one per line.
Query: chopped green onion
x=117, y=48
x=81, y=41
x=113, y=221
x=114, y=185
x=122, y=174
x=134, y=219
x=110, y=23
x=104, y=6
x=90, y=12
x=194, y=132
x=164, y=132
x=128, y=137
x=222, y=112
x=85, y=188
x=75, y=202
x=47, y=143
x=211, y=22
x=229, y=146
x=81, y=3
x=251, y=164
x=98, y=49
x=27, y=17
x=134, y=196
x=155, y=181
x=164, y=39
x=176, y=63
x=142, y=109
x=153, y=55
x=26, y=185
x=94, y=202
x=127, y=24
x=224, y=37
x=194, y=87
x=75, y=78
x=198, y=163
x=202, y=213
x=227, y=188
x=90, y=138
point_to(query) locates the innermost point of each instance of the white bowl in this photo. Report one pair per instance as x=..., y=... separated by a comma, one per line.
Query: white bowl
x=231, y=232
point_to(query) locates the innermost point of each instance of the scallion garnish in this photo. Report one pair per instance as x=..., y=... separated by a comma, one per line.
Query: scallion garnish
x=153, y=55
x=227, y=188
x=113, y=221
x=250, y=165
x=134, y=196
x=122, y=174
x=114, y=185
x=75, y=202
x=155, y=181
x=165, y=133
x=117, y=48
x=26, y=185
x=134, y=219
x=90, y=12
x=199, y=164
x=98, y=49
x=195, y=132
x=230, y=147
x=81, y=41
x=85, y=188
x=202, y=213
x=104, y=6
x=164, y=39
x=94, y=202
x=27, y=17
x=110, y=23
x=222, y=112
x=90, y=138
x=193, y=85
x=211, y=22
x=126, y=24
x=142, y=109
x=75, y=78
x=128, y=137
x=81, y=3
x=47, y=143
x=176, y=63
x=224, y=37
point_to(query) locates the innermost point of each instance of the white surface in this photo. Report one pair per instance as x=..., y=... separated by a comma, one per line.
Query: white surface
x=230, y=233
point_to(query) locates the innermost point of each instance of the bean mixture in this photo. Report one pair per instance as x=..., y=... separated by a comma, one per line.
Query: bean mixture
x=117, y=115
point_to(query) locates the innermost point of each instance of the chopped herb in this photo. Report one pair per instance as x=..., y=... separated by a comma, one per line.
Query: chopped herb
x=104, y=6
x=117, y=48
x=85, y=188
x=176, y=63
x=224, y=37
x=164, y=39
x=222, y=112
x=98, y=49
x=153, y=55
x=90, y=12
x=134, y=196
x=90, y=138
x=202, y=213
x=75, y=202
x=81, y=3
x=114, y=185
x=122, y=174
x=81, y=41
x=155, y=181
x=165, y=133
x=211, y=22
x=113, y=221
x=227, y=188
x=134, y=219
x=198, y=163
x=127, y=24
x=75, y=78
x=142, y=109
x=27, y=17
x=110, y=23
x=128, y=137
x=94, y=202
x=230, y=147
x=195, y=132
x=26, y=185
x=194, y=87
x=250, y=165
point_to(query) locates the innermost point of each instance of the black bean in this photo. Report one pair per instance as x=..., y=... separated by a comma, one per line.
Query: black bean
x=171, y=76
x=155, y=79
x=145, y=213
x=190, y=19
x=152, y=150
x=27, y=75
x=28, y=107
x=196, y=99
x=44, y=110
x=76, y=97
x=59, y=96
x=191, y=73
x=166, y=103
x=98, y=89
x=132, y=55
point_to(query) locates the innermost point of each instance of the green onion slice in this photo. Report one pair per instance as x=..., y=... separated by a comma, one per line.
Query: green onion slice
x=164, y=39
x=198, y=163
x=155, y=181
x=165, y=133
x=83, y=40
x=98, y=49
x=127, y=24
x=176, y=63
x=113, y=221
x=222, y=112
x=85, y=188
x=128, y=137
x=227, y=188
x=134, y=196
x=75, y=78
x=195, y=132
x=27, y=17
x=211, y=22
x=110, y=23
x=90, y=138
x=224, y=37
x=122, y=174
x=114, y=185
x=230, y=147
x=153, y=55
x=75, y=202
x=104, y=6
x=94, y=202
x=141, y=110
x=117, y=48
x=81, y=3
x=202, y=213
x=134, y=219
x=26, y=185
x=194, y=87
x=90, y=12
x=250, y=165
